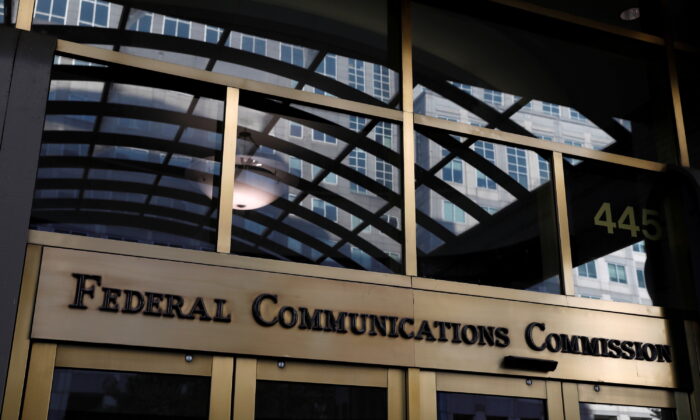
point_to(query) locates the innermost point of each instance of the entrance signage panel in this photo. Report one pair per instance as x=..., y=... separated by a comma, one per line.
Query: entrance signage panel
x=110, y=299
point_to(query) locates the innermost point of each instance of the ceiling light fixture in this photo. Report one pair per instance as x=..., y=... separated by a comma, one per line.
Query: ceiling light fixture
x=630, y=14
x=256, y=182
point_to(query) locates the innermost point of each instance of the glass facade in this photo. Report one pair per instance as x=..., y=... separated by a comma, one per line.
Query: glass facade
x=320, y=176
x=445, y=155
x=130, y=155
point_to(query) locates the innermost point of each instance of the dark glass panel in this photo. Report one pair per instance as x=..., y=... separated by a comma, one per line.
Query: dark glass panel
x=485, y=213
x=301, y=401
x=105, y=395
x=336, y=49
x=684, y=15
x=8, y=12
x=317, y=186
x=623, y=242
x=637, y=15
x=541, y=78
x=455, y=406
x=689, y=84
x=591, y=411
x=128, y=154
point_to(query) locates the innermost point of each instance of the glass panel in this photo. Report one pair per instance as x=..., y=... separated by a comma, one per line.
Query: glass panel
x=688, y=70
x=297, y=401
x=338, y=49
x=620, y=221
x=606, y=94
x=683, y=15
x=455, y=406
x=637, y=15
x=485, y=213
x=624, y=412
x=131, y=155
x=8, y=12
x=105, y=395
x=317, y=186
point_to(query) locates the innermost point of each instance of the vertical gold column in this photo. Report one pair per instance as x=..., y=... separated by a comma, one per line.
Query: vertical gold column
x=221, y=388
x=20, y=341
x=244, y=389
x=422, y=395
x=563, y=223
x=396, y=391
x=555, y=401
x=40, y=378
x=408, y=152
x=571, y=403
x=228, y=171
x=25, y=14
x=683, y=154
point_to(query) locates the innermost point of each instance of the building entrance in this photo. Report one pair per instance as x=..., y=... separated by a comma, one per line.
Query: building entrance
x=68, y=381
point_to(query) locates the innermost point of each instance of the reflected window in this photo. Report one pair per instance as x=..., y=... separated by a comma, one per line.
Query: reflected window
x=292, y=401
x=94, y=13
x=641, y=282
x=590, y=411
x=105, y=395
x=254, y=44
x=487, y=151
x=493, y=97
x=292, y=54
x=176, y=27
x=617, y=273
x=141, y=22
x=588, y=270
x=457, y=406
x=51, y=11
x=517, y=165
x=550, y=109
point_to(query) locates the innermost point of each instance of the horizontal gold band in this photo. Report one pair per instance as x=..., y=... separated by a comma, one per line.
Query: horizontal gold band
x=535, y=143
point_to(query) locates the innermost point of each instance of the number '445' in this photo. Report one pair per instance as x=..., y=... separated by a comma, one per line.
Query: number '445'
x=651, y=228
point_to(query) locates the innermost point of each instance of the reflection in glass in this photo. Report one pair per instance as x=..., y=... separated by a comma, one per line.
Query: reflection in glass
x=129, y=155
x=638, y=15
x=485, y=213
x=106, y=395
x=8, y=12
x=455, y=406
x=624, y=412
x=618, y=221
x=300, y=401
x=317, y=186
x=688, y=69
x=335, y=49
x=536, y=84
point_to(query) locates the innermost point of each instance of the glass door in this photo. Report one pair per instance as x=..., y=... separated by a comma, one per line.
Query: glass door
x=480, y=397
x=290, y=390
x=70, y=382
x=610, y=402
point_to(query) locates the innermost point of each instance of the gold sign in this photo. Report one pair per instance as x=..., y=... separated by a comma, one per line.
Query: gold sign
x=101, y=298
